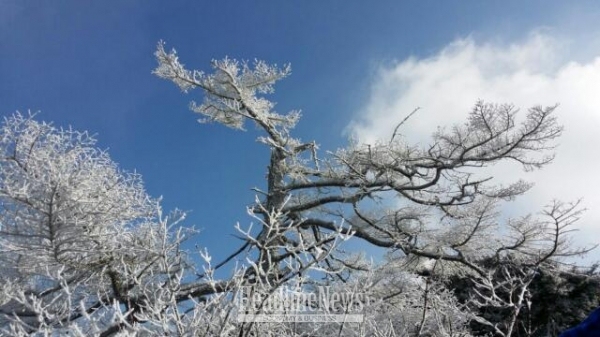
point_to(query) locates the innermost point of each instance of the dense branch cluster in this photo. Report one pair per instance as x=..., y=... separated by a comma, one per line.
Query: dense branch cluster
x=84, y=249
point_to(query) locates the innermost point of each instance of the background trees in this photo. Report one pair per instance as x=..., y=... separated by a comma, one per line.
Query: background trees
x=84, y=249
x=80, y=239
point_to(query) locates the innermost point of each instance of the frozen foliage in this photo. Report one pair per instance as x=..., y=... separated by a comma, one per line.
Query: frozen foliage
x=85, y=251
x=231, y=91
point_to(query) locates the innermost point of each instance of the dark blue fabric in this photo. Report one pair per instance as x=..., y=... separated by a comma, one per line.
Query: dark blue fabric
x=588, y=328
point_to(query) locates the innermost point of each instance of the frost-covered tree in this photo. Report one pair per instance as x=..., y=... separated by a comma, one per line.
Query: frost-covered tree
x=425, y=204
x=83, y=248
x=85, y=251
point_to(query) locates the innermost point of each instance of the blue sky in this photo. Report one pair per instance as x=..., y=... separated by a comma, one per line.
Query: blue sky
x=88, y=65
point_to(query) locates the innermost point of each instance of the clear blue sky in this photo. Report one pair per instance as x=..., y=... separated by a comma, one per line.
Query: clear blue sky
x=88, y=64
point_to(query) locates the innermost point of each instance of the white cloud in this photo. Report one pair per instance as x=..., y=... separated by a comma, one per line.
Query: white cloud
x=536, y=71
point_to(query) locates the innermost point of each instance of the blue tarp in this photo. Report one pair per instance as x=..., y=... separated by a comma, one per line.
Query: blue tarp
x=588, y=328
